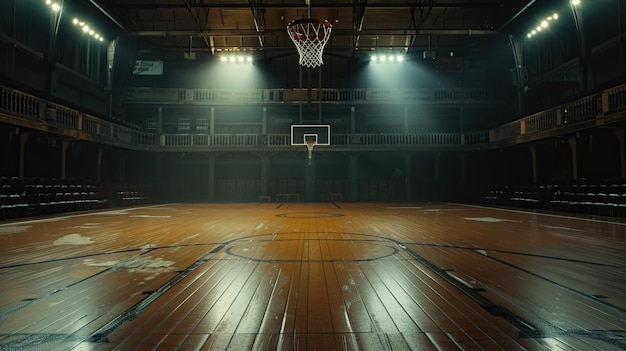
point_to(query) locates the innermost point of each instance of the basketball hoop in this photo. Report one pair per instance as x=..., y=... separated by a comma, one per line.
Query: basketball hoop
x=310, y=35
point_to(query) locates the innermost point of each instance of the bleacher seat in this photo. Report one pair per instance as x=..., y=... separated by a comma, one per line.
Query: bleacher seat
x=605, y=199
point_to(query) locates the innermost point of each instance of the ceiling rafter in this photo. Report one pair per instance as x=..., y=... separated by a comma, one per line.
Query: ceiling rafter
x=331, y=4
x=252, y=32
x=358, y=15
x=424, y=13
x=200, y=15
x=358, y=25
x=258, y=15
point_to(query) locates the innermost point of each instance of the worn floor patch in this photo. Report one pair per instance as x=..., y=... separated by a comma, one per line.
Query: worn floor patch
x=73, y=239
x=490, y=219
x=150, y=216
x=141, y=264
x=11, y=229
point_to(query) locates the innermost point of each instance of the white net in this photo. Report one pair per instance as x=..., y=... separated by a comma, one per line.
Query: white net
x=310, y=35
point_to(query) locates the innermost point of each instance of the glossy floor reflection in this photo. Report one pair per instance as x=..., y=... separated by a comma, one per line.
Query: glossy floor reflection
x=324, y=276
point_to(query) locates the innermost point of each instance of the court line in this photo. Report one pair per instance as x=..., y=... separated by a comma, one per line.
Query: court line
x=515, y=253
x=543, y=214
x=65, y=215
x=103, y=332
x=554, y=282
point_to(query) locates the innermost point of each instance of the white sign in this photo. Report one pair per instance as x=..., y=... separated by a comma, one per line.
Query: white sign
x=148, y=68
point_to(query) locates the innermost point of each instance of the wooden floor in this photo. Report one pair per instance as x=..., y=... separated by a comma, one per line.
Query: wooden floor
x=324, y=276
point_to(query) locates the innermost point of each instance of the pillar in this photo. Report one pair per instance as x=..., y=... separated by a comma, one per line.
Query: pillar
x=212, y=121
x=354, y=179
x=583, y=51
x=519, y=72
x=99, y=165
x=64, y=145
x=619, y=134
x=212, y=158
x=352, y=120
x=533, y=156
x=309, y=180
x=407, y=177
x=23, y=140
x=463, y=168
x=405, y=121
x=264, y=121
x=462, y=124
x=159, y=126
x=159, y=167
x=436, y=165
x=572, y=145
x=122, y=175
x=265, y=161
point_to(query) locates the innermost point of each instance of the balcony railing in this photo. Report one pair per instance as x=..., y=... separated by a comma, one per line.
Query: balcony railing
x=256, y=96
x=337, y=140
x=26, y=110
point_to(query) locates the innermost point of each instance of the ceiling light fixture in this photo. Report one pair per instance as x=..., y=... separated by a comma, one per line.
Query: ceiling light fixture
x=543, y=24
x=392, y=58
x=236, y=59
x=54, y=6
x=87, y=29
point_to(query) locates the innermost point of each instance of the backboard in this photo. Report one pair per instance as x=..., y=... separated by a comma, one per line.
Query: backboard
x=303, y=133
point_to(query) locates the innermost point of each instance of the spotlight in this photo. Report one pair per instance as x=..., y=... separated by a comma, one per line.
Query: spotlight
x=387, y=58
x=545, y=23
x=236, y=59
x=87, y=29
x=55, y=6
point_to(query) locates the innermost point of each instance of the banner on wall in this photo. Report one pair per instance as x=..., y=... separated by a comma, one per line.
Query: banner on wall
x=449, y=64
x=148, y=68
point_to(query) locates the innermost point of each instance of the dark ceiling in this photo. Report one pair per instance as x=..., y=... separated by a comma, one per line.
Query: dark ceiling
x=259, y=26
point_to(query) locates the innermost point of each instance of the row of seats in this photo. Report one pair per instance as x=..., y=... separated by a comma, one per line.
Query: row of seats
x=133, y=198
x=45, y=196
x=591, y=199
x=127, y=194
x=12, y=206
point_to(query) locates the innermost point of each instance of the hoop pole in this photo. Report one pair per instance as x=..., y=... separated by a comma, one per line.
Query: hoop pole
x=310, y=148
x=319, y=98
x=300, y=94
